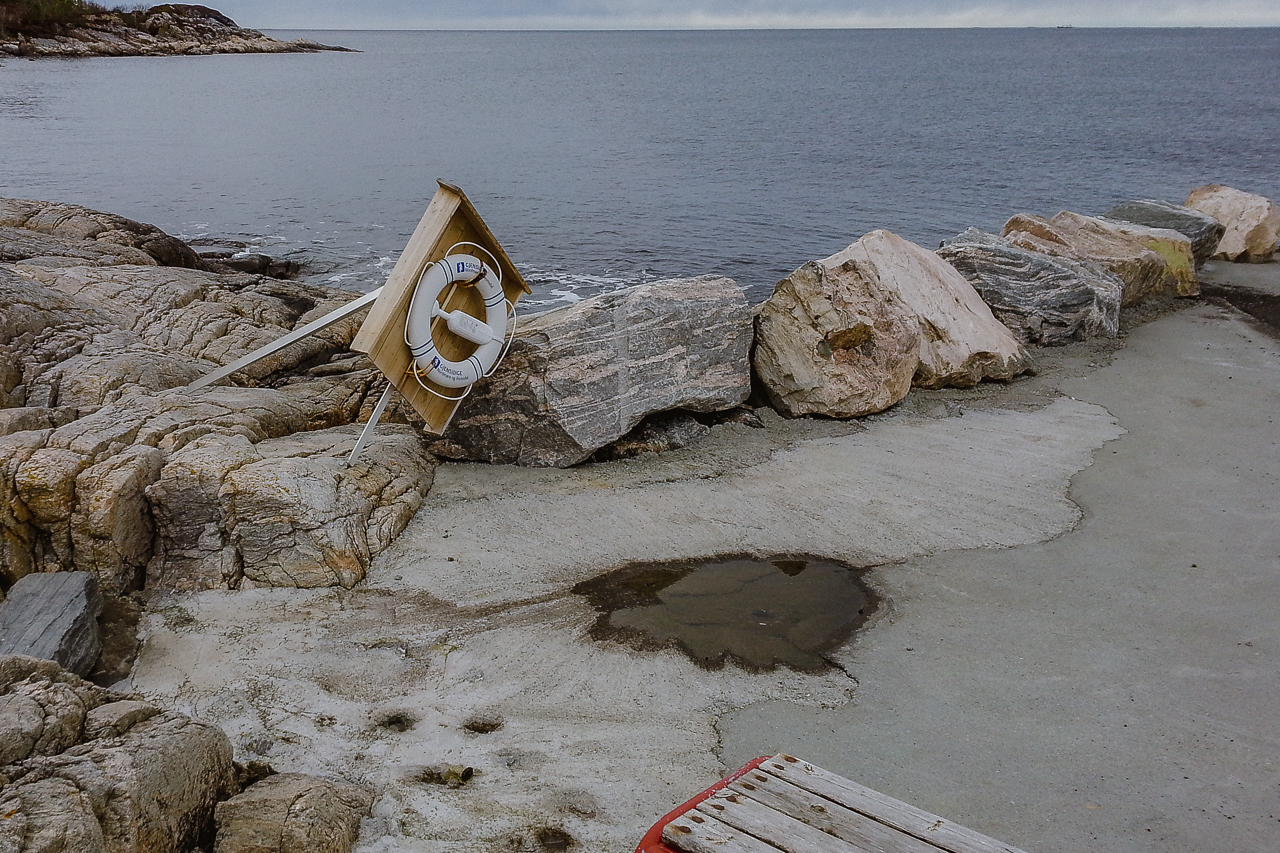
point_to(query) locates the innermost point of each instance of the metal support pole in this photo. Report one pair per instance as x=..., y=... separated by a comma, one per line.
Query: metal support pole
x=296, y=335
x=367, y=432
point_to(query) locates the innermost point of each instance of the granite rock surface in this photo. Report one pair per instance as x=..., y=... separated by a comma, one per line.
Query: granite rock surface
x=1142, y=271
x=94, y=771
x=53, y=617
x=1252, y=221
x=92, y=360
x=961, y=341
x=1203, y=230
x=1044, y=300
x=580, y=377
x=292, y=813
x=832, y=340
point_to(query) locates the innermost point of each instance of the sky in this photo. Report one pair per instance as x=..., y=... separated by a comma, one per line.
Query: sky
x=736, y=14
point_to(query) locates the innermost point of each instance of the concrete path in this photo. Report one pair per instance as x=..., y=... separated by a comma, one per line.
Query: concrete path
x=1117, y=688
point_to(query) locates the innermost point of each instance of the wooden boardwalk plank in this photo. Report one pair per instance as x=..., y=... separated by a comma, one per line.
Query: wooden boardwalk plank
x=782, y=831
x=696, y=833
x=828, y=816
x=895, y=813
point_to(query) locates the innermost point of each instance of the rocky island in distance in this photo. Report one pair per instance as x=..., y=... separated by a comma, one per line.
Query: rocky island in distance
x=82, y=29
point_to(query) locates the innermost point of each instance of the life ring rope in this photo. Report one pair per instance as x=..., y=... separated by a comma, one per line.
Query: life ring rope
x=453, y=271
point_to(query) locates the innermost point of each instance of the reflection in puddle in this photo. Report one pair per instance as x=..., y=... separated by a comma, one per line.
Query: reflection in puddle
x=759, y=614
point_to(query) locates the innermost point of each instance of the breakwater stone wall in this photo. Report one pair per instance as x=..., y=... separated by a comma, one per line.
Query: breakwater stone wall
x=108, y=466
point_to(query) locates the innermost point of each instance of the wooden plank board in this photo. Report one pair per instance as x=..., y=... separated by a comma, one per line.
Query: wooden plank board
x=895, y=813
x=830, y=817
x=782, y=831
x=696, y=833
x=450, y=218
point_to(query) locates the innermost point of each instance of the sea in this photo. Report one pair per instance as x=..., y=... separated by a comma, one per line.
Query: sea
x=605, y=159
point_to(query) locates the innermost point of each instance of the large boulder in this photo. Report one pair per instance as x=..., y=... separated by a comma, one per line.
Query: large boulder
x=1173, y=247
x=1203, y=230
x=833, y=341
x=961, y=342
x=1143, y=272
x=1252, y=221
x=1043, y=300
x=54, y=617
x=580, y=377
x=292, y=813
x=93, y=771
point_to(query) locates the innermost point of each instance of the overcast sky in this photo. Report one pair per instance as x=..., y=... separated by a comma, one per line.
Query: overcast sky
x=679, y=14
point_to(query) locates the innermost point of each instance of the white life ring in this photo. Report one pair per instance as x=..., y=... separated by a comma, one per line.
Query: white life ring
x=489, y=335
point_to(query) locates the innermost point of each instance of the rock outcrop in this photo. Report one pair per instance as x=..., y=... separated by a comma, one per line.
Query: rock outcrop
x=580, y=377
x=285, y=511
x=833, y=341
x=89, y=770
x=165, y=30
x=88, y=481
x=1252, y=221
x=71, y=222
x=292, y=813
x=1044, y=300
x=961, y=342
x=53, y=617
x=1143, y=272
x=1203, y=230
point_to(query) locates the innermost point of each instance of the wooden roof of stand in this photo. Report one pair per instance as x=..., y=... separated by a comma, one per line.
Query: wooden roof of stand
x=450, y=218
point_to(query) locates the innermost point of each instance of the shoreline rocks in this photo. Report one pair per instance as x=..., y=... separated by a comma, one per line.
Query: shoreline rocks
x=166, y=30
x=1143, y=272
x=1203, y=230
x=1252, y=222
x=578, y=378
x=961, y=342
x=832, y=340
x=1044, y=300
x=90, y=770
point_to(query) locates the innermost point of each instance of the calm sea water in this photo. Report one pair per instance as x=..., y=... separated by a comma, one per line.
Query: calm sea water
x=606, y=158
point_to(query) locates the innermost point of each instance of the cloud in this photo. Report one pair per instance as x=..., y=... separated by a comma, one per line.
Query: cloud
x=722, y=14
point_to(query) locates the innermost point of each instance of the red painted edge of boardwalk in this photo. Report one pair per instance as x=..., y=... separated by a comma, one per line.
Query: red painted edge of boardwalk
x=652, y=841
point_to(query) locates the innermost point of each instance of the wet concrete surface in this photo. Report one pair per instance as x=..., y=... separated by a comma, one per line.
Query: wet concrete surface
x=756, y=614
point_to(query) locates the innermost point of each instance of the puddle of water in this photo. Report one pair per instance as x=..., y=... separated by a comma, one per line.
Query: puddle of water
x=759, y=614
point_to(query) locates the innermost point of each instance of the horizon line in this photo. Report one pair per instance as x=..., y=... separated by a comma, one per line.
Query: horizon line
x=746, y=28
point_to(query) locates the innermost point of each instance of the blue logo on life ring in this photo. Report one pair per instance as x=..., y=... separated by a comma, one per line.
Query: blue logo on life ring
x=462, y=267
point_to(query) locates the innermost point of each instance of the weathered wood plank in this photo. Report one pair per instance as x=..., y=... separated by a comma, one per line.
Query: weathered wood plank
x=696, y=833
x=781, y=830
x=828, y=816
x=895, y=813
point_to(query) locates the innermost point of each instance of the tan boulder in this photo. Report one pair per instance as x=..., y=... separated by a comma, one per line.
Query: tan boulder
x=1142, y=271
x=833, y=341
x=1173, y=246
x=1252, y=221
x=961, y=341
